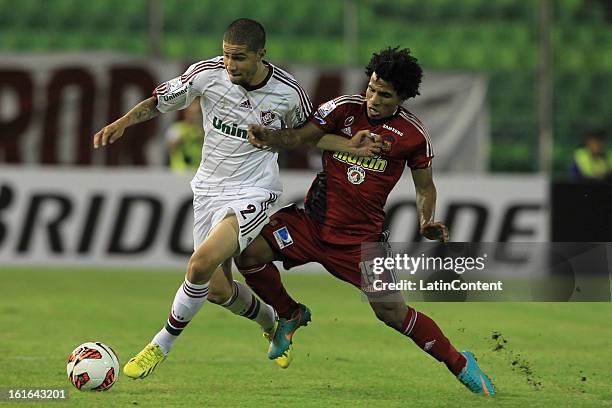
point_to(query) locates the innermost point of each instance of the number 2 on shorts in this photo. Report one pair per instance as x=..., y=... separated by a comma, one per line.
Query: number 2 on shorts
x=249, y=210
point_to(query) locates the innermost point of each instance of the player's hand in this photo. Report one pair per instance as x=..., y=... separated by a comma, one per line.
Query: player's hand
x=365, y=143
x=435, y=231
x=258, y=136
x=108, y=134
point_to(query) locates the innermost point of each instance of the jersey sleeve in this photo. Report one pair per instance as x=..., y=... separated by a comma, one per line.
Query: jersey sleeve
x=421, y=154
x=300, y=108
x=327, y=117
x=179, y=92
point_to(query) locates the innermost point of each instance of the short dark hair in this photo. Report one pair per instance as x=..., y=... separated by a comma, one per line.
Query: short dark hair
x=246, y=31
x=398, y=67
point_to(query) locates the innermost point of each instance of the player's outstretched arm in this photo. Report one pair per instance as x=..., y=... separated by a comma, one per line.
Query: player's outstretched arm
x=426, y=205
x=142, y=112
x=262, y=137
x=363, y=143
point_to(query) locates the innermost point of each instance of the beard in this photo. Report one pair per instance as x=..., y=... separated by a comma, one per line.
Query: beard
x=243, y=79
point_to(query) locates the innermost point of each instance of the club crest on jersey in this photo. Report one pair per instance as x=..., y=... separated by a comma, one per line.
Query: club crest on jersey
x=267, y=117
x=282, y=237
x=387, y=143
x=355, y=174
x=349, y=121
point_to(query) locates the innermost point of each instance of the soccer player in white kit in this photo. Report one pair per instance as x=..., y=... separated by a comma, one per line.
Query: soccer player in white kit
x=236, y=183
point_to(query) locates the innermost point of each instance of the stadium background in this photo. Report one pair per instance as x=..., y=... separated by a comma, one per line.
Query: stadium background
x=540, y=99
x=500, y=39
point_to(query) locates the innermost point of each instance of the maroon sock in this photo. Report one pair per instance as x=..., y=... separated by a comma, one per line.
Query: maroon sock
x=428, y=336
x=266, y=282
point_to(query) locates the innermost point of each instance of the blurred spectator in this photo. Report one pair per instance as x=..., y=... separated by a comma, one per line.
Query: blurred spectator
x=185, y=138
x=592, y=161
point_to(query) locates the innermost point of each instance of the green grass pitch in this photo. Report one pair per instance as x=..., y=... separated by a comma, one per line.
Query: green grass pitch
x=548, y=354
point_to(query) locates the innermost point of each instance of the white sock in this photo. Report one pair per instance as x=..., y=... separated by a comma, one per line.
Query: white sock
x=243, y=302
x=188, y=300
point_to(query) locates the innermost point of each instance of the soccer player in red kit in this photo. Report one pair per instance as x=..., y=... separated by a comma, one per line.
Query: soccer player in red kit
x=345, y=207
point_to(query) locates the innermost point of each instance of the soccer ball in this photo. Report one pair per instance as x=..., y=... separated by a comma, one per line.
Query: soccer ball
x=93, y=366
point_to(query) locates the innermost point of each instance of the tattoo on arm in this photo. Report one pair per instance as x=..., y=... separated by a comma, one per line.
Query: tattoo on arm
x=142, y=112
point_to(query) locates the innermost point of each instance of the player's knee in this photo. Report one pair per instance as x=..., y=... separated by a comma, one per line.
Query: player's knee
x=199, y=269
x=219, y=293
x=246, y=264
x=258, y=253
x=243, y=261
x=382, y=314
x=390, y=314
x=249, y=267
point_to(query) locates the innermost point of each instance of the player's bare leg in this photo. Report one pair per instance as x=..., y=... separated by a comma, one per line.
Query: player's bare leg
x=220, y=284
x=255, y=264
x=239, y=299
x=220, y=244
x=393, y=311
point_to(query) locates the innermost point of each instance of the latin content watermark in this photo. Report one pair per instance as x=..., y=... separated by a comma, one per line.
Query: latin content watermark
x=423, y=263
x=460, y=271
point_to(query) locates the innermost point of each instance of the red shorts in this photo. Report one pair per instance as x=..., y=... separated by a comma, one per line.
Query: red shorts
x=294, y=236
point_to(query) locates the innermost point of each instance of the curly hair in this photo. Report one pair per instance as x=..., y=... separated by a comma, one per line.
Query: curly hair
x=399, y=68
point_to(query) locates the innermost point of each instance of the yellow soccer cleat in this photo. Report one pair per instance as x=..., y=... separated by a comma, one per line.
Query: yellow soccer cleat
x=144, y=362
x=285, y=359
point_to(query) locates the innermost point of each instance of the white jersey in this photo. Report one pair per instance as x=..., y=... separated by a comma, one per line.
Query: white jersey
x=229, y=163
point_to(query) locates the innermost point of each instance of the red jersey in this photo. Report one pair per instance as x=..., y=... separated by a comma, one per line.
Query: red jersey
x=348, y=197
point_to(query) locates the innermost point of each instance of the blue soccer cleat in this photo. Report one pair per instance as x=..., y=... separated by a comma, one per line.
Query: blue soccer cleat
x=285, y=359
x=473, y=378
x=282, y=340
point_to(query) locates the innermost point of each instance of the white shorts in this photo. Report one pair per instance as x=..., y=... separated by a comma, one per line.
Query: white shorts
x=252, y=208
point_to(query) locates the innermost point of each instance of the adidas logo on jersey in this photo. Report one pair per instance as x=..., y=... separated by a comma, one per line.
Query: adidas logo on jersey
x=245, y=104
x=347, y=131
